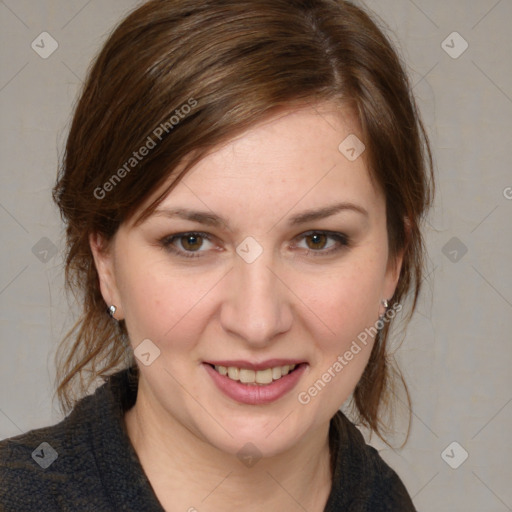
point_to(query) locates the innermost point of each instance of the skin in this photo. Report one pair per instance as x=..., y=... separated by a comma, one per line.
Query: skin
x=293, y=301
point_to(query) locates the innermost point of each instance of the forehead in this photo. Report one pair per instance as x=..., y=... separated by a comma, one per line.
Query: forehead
x=292, y=161
x=289, y=134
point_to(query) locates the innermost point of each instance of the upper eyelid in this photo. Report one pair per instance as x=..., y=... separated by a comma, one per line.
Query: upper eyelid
x=209, y=236
x=328, y=232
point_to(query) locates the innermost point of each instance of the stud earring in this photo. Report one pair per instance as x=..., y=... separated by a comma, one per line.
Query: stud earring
x=385, y=303
x=112, y=310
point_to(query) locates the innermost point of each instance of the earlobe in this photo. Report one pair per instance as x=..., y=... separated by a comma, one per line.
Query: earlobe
x=104, y=263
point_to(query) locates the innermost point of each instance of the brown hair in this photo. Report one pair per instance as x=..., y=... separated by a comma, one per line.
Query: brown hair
x=233, y=63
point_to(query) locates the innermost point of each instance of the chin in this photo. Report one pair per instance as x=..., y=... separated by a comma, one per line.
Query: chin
x=259, y=434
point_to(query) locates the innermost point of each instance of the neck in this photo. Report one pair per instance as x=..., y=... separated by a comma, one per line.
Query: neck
x=187, y=473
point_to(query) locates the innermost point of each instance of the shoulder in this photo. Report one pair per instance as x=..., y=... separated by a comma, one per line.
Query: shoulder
x=85, y=462
x=362, y=480
x=26, y=479
x=37, y=466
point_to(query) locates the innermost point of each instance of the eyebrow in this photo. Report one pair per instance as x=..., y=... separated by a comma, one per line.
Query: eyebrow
x=212, y=219
x=207, y=218
x=327, y=211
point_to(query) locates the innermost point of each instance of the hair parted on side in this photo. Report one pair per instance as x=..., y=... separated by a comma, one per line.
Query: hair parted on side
x=234, y=63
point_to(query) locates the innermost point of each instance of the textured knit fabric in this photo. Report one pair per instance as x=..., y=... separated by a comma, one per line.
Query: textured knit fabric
x=96, y=467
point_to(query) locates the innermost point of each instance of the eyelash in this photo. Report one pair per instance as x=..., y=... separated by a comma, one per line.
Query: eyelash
x=341, y=239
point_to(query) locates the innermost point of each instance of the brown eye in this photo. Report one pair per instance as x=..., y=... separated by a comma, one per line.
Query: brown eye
x=316, y=241
x=322, y=243
x=189, y=245
x=191, y=242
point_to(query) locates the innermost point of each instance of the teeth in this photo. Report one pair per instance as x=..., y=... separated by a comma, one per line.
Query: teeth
x=264, y=376
x=233, y=373
x=247, y=376
x=276, y=373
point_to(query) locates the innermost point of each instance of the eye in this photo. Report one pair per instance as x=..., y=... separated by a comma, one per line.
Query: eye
x=186, y=244
x=322, y=243
x=196, y=244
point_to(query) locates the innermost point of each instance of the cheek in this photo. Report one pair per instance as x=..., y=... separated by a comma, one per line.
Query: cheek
x=164, y=306
x=170, y=307
x=343, y=303
x=343, y=339
x=347, y=304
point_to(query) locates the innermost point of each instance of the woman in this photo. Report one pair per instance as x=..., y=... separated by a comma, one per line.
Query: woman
x=243, y=188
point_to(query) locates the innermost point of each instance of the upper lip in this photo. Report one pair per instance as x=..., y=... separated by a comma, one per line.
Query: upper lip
x=263, y=365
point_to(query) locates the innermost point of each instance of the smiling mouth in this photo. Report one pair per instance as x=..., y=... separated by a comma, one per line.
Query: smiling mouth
x=255, y=377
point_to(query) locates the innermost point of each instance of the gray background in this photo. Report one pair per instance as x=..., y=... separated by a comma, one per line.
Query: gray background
x=457, y=354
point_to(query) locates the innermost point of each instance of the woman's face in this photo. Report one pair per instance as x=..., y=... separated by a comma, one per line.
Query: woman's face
x=271, y=252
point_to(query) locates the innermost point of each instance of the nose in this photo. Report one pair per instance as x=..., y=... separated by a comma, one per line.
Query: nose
x=257, y=306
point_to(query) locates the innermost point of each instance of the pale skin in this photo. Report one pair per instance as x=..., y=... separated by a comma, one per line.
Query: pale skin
x=307, y=296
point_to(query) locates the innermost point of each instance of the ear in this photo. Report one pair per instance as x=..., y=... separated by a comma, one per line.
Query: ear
x=392, y=274
x=394, y=266
x=103, y=255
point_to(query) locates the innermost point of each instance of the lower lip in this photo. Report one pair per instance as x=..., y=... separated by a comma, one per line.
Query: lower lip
x=256, y=394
